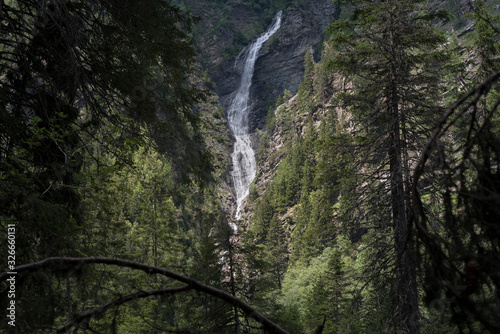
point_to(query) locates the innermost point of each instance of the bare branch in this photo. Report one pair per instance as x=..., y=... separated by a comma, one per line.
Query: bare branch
x=442, y=126
x=122, y=300
x=59, y=262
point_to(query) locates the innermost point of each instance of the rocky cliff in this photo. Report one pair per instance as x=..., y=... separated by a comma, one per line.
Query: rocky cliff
x=227, y=26
x=281, y=62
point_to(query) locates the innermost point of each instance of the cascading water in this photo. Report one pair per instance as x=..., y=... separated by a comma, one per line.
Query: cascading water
x=243, y=156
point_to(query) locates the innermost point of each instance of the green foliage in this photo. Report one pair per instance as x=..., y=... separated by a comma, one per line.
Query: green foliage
x=287, y=95
x=103, y=154
x=263, y=214
x=239, y=41
x=394, y=57
x=305, y=93
x=308, y=70
x=273, y=41
x=68, y=74
x=316, y=191
x=482, y=42
x=253, y=193
x=471, y=135
x=105, y=144
x=287, y=184
x=328, y=192
x=321, y=290
x=276, y=250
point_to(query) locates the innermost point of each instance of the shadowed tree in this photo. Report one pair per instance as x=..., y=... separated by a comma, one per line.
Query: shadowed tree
x=389, y=50
x=72, y=72
x=80, y=80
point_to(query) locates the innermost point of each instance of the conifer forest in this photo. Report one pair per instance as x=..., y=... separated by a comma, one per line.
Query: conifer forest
x=259, y=166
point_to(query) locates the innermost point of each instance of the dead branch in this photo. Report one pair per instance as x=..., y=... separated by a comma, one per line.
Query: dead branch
x=59, y=262
x=117, y=302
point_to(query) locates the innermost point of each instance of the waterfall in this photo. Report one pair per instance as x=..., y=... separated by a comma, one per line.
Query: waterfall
x=243, y=156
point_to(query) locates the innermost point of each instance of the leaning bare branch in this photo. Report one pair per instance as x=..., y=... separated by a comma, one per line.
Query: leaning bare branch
x=117, y=302
x=442, y=126
x=59, y=262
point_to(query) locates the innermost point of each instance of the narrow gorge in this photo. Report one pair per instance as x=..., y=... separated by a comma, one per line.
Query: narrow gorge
x=250, y=167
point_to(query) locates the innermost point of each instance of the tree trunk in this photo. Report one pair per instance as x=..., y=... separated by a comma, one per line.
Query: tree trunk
x=407, y=309
x=407, y=312
x=233, y=286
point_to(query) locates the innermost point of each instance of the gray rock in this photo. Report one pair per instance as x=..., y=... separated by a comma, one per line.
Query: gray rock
x=281, y=62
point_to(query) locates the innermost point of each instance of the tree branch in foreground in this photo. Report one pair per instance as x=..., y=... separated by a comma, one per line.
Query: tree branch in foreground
x=122, y=300
x=469, y=100
x=58, y=262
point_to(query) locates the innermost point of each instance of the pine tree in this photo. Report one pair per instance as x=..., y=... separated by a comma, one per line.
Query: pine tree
x=276, y=246
x=482, y=42
x=306, y=88
x=308, y=71
x=461, y=161
x=390, y=52
x=70, y=76
x=82, y=85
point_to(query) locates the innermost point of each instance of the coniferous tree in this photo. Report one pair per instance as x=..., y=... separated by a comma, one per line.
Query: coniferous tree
x=276, y=246
x=455, y=215
x=77, y=71
x=82, y=85
x=390, y=52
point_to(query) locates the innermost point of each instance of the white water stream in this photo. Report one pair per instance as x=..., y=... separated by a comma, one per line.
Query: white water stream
x=243, y=155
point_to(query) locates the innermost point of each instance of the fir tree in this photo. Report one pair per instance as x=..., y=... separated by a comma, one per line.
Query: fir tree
x=390, y=52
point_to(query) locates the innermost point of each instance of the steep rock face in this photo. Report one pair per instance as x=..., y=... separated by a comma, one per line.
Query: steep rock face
x=281, y=62
x=282, y=66
x=221, y=26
